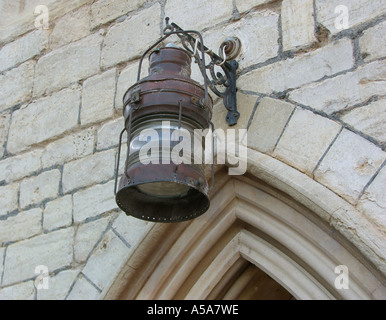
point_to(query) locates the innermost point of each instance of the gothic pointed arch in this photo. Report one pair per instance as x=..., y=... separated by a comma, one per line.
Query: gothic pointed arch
x=259, y=240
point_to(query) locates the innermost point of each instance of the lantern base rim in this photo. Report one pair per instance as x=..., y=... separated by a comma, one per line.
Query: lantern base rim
x=192, y=203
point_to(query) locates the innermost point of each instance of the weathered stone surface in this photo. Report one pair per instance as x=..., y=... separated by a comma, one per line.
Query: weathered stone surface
x=268, y=123
x=108, y=134
x=368, y=81
x=71, y=27
x=53, y=250
x=258, y=33
x=131, y=229
x=110, y=255
x=21, y=19
x=89, y=170
x=21, y=291
x=210, y=13
x=58, y=213
x=349, y=165
x=306, y=139
x=128, y=39
x=8, y=198
x=373, y=43
x=370, y=119
x=37, y=189
x=103, y=244
x=59, y=69
x=359, y=11
x=23, y=49
x=107, y=10
x=94, y=201
x=98, y=98
x=244, y=5
x=16, y=85
x=83, y=290
x=373, y=201
x=298, y=24
x=87, y=236
x=59, y=285
x=245, y=105
x=2, y=254
x=39, y=121
x=15, y=168
x=4, y=125
x=24, y=225
x=303, y=69
x=69, y=148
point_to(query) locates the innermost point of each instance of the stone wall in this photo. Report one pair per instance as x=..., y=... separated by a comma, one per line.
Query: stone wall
x=311, y=93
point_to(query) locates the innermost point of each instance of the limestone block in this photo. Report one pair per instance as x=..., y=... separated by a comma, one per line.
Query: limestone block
x=373, y=43
x=43, y=119
x=298, y=24
x=71, y=147
x=15, y=168
x=71, y=27
x=258, y=33
x=2, y=253
x=37, y=189
x=210, y=13
x=7, y=8
x=24, y=225
x=59, y=285
x=127, y=78
x=83, y=290
x=59, y=68
x=109, y=257
x=128, y=39
x=349, y=165
x=54, y=250
x=107, y=10
x=23, y=49
x=306, y=139
x=8, y=198
x=245, y=5
x=20, y=291
x=268, y=123
x=131, y=229
x=94, y=201
x=87, y=235
x=58, y=213
x=22, y=18
x=16, y=85
x=98, y=98
x=370, y=119
x=373, y=201
x=303, y=69
x=108, y=134
x=345, y=90
x=89, y=170
x=4, y=125
x=358, y=11
x=245, y=105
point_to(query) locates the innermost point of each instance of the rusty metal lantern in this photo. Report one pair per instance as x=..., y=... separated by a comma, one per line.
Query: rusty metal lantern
x=163, y=191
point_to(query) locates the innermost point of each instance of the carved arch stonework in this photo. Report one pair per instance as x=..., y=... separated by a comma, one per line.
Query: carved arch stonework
x=255, y=242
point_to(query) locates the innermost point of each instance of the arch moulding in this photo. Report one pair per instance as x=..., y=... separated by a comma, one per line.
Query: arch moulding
x=274, y=217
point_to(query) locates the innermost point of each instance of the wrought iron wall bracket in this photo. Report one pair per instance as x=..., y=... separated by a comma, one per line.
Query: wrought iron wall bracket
x=229, y=96
x=223, y=84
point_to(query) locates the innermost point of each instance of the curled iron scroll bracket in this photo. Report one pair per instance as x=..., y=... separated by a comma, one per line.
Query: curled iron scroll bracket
x=223, y=84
